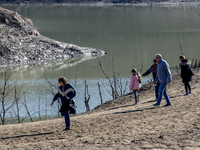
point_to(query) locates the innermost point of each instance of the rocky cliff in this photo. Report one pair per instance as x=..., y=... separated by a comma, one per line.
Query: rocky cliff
x=21, y=43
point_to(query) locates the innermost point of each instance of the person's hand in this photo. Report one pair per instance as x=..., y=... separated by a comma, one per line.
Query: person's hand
x=52, y=103
x=154, y=83
x=169, y=82
x=68, y=98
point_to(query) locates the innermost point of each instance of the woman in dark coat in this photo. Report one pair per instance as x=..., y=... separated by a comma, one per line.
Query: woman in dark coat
x=186, y=73
x=66, y=91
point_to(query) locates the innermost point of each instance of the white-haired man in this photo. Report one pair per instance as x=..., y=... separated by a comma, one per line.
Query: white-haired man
x=164, y=77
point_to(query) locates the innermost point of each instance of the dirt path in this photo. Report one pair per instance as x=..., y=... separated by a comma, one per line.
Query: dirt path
x=118, y=125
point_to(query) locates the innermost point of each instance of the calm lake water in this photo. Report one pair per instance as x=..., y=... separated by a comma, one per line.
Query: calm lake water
x=130, y=35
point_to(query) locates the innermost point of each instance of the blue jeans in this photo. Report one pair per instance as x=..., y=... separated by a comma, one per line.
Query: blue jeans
x=67, y=119
x=157, y=89
x=163, y=91
x=136, y=96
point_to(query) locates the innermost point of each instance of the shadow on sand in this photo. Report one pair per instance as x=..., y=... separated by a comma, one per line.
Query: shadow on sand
x=131, y=105
x=20, y=136
x=175, y=96
x=151, y=101
x=120, y=107
x=123, y=112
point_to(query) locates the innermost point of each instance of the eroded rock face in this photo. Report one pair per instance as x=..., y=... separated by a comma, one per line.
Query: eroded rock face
x=21, y=43
x=13, y=19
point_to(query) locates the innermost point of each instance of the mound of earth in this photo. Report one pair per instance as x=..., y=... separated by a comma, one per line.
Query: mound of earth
x=119, y=125
x=21, y=43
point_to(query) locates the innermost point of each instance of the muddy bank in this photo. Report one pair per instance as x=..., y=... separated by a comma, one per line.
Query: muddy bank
x=21, y=43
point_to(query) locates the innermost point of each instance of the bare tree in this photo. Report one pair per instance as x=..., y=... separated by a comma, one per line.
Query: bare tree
x=177, y=69
x=46, y=108
x=199, y=63
x=114, y=95
x=27, y=110
x=117, y=88
x=141, y=67
x=5, y=90
x=39, y=112
x=100, y=92
x=122, y=89
x=192, y=64
x=18, y=95
x=52, y=88
x=181, y=49
x=196, y=63
x=87, y=97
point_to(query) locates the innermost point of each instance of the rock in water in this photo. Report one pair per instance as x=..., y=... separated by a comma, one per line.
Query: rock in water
x=21, y=43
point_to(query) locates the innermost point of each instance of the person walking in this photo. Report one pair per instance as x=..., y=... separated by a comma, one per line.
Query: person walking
x=66, y=92
x=153, y=70
x=135, y=84
x=164, y=77
x=186, y=73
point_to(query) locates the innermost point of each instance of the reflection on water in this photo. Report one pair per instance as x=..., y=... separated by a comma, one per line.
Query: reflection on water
x=36, y=71
x=130, y=35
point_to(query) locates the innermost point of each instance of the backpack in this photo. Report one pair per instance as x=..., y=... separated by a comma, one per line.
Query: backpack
x=72, y=106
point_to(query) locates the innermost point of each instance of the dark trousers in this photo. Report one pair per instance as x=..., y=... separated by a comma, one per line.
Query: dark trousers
x=64, y=110
x=67, y=120
x=136, y=95
x=187, y=87
x=157, y=89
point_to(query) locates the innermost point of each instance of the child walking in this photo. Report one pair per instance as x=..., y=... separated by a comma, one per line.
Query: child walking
x=135, y=85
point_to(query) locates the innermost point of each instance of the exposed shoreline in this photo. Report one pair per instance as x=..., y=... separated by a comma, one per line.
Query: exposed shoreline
x=22, y=44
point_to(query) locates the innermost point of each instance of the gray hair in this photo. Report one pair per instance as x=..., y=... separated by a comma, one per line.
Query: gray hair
x=159, y=55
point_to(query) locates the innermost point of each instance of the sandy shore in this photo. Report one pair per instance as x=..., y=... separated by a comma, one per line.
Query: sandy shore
x=119, y=125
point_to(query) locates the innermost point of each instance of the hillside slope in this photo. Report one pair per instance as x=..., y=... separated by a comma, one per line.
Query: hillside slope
x=119, y=125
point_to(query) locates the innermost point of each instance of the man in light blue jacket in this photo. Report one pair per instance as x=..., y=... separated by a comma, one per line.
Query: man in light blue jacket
x=164, y=77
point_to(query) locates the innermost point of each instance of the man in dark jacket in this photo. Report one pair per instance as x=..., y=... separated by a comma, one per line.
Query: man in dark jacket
x=153, y=70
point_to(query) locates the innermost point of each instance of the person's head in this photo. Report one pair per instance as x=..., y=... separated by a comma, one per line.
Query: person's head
x=158, y=57
x=154, y=61
x=135, y=72
x=62, y=81
x=181, y=58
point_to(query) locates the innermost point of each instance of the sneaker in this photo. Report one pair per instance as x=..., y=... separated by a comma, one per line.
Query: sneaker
x=167, y=105
x=136, y=103
x=68, y=128
x=156, y=104
x=186, y=94
x=190, y=92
